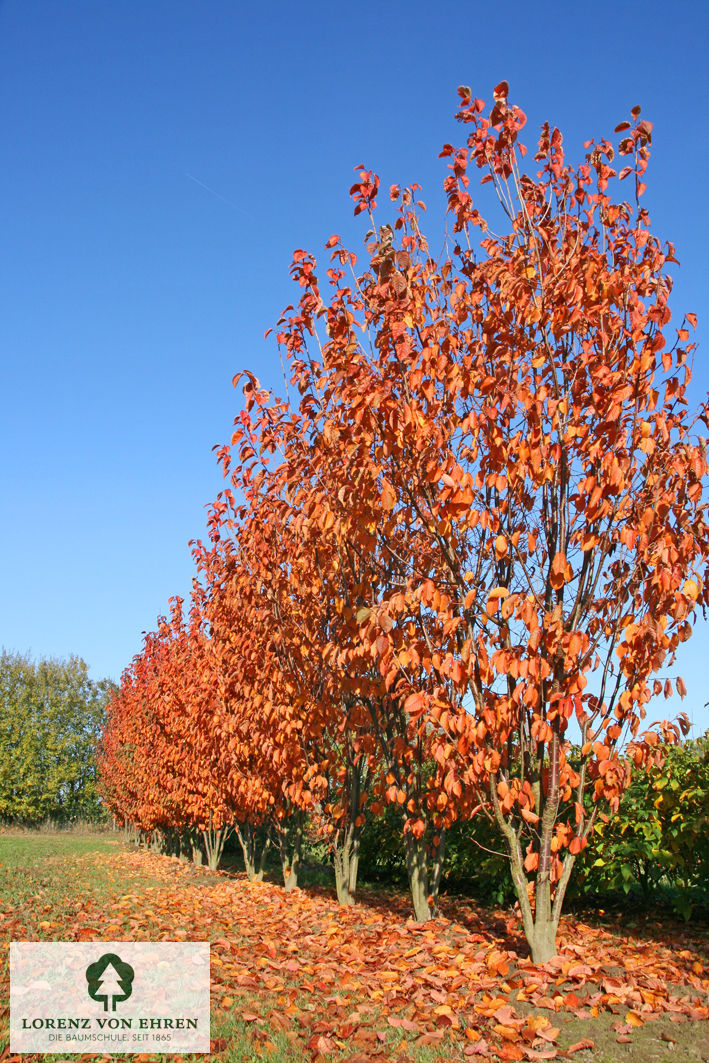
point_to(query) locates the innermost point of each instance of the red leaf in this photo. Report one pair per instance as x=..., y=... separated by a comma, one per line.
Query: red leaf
x=531, y=862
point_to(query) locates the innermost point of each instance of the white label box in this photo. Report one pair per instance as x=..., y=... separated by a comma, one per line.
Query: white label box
x=109, y=997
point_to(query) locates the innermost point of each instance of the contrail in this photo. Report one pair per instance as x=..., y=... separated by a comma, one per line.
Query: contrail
x=228, y=202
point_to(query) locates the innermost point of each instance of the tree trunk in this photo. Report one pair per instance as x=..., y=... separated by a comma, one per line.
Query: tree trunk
x=254, y=863
x=541, y=922
x=439, y=853
x=417, y=870
x=214, y=839
x=187, y=844
x=195, y=848
x=543, y=942
x=354, y=869
x=290, y=839
x=157, y=841
x=346, y=861
x=346, y=843
x=261, y=868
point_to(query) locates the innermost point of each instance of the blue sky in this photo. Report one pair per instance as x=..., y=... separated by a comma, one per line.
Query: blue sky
x=161, y=162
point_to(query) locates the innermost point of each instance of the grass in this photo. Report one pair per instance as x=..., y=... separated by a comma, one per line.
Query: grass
x=656, y=1042
x=52, y=884
x=53, y=871
x=32, y=849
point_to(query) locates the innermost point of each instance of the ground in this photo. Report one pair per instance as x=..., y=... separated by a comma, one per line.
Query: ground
x=295, y=977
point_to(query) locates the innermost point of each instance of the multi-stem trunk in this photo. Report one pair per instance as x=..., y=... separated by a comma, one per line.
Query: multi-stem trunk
x=290, y=840
x=132, y=833
x=389, y=726
x=346, y=861
x=417, y=870
x=541, y=920
x=180, y=842
x=172, y=841
x=158, y=841
x=214, y=840
x=254, y=862
x=346, y=839
x=195, y=848
x=185, y=844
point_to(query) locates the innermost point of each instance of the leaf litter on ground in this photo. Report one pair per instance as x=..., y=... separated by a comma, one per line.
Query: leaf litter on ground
x=339, y=981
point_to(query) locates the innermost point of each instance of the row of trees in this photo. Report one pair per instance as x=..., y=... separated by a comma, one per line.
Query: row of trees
x=475, y=533
x=51, y=715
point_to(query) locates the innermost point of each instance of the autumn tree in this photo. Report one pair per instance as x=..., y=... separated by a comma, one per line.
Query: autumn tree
x=288, y=615
x=510, y=425
x=273, y=615
x=164, y=766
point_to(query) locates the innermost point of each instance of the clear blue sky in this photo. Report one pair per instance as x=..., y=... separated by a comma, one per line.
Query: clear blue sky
x=162, y=159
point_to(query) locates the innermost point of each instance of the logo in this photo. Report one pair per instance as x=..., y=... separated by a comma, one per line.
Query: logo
x=109, y=997
x=110, y=980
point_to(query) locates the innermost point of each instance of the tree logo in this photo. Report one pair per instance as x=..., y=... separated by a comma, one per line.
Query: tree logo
x=110, y=980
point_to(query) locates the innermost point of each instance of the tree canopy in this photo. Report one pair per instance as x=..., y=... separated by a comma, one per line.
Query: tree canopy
x=51, y=715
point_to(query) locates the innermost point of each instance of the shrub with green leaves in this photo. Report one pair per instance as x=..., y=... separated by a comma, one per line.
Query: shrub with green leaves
x=659, y=840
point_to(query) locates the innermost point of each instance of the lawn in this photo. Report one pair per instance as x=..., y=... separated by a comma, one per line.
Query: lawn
x=297, y=978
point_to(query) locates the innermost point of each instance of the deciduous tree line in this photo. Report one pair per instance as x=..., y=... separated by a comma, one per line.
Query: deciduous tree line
x=475, y=532
x=51, y=715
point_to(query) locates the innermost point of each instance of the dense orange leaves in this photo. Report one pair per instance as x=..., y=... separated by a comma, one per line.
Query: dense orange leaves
x=477, y=533
x=518, y=433
x=161, y=759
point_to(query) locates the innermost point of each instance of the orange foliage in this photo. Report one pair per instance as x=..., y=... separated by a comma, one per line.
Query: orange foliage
x=481, y=520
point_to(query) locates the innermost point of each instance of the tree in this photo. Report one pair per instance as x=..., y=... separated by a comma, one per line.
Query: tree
x=267, y=622
x=287, y=596
x=162, y=750
x=514, y=420
x=50, y=719
x=110, y=988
